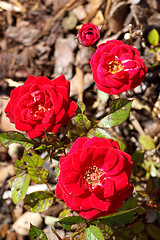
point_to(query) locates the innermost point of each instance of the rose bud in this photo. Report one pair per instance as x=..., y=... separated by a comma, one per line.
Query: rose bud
x=89, y=34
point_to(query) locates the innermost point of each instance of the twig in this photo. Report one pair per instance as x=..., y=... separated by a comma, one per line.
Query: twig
x=136, y=124
x=59, y=238
x=80, y=78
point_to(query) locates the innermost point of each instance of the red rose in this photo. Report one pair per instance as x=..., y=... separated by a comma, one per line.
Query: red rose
x=117, y=67
x=41, y=104
x=94, y=177
x=89, y=34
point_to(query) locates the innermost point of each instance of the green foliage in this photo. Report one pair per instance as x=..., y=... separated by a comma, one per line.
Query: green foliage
x=137, y=158
x=64, y=213
x=69, y=22
x=30, y=167
x=57, y=171
x=143, y=193
x=147, y=142
x=119, y=112
x=67, y=222
x=153, y=231
x=99, y=132
x=138, y=227
x=119, y=218
x=150, y=185
x=36, y=234
x=43, y=148
x=10, y=137
x=34, y=165
x=129, y=204
x=81, y=107
x=19, y=187
x=82, y=124
x=151, y=169
x=20, y=167
x=93, y=233
x=153, y=37
x=38, y=201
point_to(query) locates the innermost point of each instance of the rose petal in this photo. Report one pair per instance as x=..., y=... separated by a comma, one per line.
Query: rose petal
x=61, y=81
x=99, y=204
x=58, y=192
x=22, y=126
x=109, y=188
x=78, y=144
x=120, y=181
x=92, y=214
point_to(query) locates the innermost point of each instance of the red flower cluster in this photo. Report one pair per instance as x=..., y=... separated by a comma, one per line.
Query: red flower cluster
x=89, y=34
x=117, y=67
x=94, y=177
x=41, y=104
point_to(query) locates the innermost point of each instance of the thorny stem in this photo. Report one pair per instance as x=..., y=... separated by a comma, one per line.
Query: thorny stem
x=93, y=49
x=80, y=230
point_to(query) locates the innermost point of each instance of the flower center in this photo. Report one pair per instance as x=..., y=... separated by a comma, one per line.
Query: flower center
x=89, y=35
x=38, y=105
x=114, y=67
x=39, y=110
x=93, y=176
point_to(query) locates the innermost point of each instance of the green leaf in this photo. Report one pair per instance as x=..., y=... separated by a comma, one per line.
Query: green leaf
x=150, y=186
x=69, y=22
x=20, y=167
x=35, y=168
x=152, y=50
x=137, y=158
x=99, y=132
x=143, y=193
x=153, y=231
x=19, y=187
x=82, y=124
x=147, y=142
x=10, y=137
x=69, y=221
x=81, y=107
x=153, y=37
x=38, y=201
x=93, y=233
x=119, y=218
x=130, y=203
x=57, y=171
x=138, y=227
x=36, y=233
x=43, y=148
x=119, y=112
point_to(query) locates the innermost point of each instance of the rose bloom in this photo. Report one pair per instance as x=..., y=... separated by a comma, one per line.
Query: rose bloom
x=41, y=104
x=89, y=34
x=117, y=67
x=94, y=177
